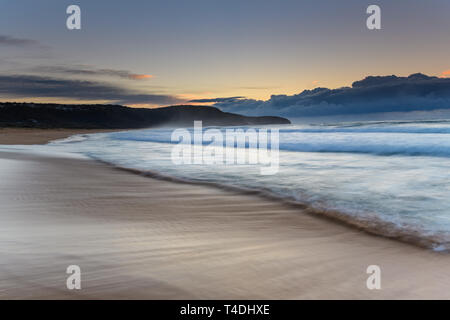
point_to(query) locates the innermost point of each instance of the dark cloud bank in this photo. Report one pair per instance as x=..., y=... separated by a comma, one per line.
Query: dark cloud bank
x=17, y=42
x=383, y=94
x=84, y=70
x=217, y=100
x=386, y=94
x=26, y=86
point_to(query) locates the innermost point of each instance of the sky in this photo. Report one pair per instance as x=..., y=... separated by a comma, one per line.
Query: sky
x=152, y=52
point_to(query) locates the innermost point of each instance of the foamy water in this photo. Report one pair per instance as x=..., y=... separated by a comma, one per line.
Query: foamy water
x=388, y=174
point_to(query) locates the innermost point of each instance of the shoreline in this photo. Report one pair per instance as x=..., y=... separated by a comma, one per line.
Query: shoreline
x=137, y=237
x=376, y=227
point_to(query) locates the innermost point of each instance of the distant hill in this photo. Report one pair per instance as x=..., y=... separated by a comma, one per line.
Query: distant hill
x=36, y=115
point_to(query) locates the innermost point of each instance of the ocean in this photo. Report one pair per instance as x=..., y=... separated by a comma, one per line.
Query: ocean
x=390, y=178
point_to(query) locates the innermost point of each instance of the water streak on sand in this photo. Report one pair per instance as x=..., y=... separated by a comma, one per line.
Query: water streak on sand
x=373, y=226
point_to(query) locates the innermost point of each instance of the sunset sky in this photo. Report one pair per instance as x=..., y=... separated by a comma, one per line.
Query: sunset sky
x=162, y=52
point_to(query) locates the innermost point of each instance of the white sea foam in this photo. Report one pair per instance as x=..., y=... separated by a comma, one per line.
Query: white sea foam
x=426, y=139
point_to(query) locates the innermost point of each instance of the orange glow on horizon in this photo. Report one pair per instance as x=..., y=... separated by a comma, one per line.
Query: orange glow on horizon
x=445, y=74
x=140, y=76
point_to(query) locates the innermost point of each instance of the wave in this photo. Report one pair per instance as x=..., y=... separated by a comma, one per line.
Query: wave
x=383, y=122
x=418, y=130
x=72, y=139
x=393, y=143
x=431, y=150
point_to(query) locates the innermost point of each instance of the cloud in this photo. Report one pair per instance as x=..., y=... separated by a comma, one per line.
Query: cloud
x=140, y=76
x=216, y=100
x=17, y=42
x=417, y=92
x=27, y=86
x=91, y=71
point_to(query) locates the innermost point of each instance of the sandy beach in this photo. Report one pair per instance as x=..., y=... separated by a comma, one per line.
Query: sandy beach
x=135, y=237
x=24, y=136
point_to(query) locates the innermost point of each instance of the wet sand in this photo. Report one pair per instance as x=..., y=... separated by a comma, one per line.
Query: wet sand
x=136, y=237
